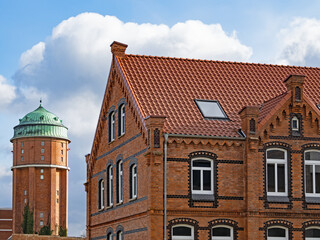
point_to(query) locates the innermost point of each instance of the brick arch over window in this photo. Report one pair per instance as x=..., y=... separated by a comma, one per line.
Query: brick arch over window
x=280, y=223
x=225, y=222
x=186, y=221
x=309, y=224
x=109, y=230
x=203, y=154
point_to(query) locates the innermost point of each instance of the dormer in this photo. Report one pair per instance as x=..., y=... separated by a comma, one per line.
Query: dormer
x=294, y=83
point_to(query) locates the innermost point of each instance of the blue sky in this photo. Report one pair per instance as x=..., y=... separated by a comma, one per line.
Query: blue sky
x=59, y=51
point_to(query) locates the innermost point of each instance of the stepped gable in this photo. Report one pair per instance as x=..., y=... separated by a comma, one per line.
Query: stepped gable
x=168, y=87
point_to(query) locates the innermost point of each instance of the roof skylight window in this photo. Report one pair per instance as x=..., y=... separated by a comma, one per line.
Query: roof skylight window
x=211, y=109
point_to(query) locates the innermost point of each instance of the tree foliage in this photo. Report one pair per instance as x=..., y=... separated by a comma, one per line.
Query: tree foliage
x=62, y=231
x=27, y=223
x=46, y=229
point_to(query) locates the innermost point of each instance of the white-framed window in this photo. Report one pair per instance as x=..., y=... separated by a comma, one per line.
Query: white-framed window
x=277, y=172
x=119, y=235
x=109, y=186
x=41, y=223
x=41, y=177
x=25, y=200
x=41, y=215
x=312, y=173
x=111, y=127
x=119, y=182
x=42, y=150
x=133, y=181
x=202, y=176
x=25, y=192
x=312, y=233
x=182, y=232
x=22, y=144
x=22, y=159
x=295, y=124
x=41, y=170
x=109, y=236
x=42, y=157
x=22, y=151
x=122, y=119
x=42, y=143
x=277, y=233
x=101, y=194
x=222, y=232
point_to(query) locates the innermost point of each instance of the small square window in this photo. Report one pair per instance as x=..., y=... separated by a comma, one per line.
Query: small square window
x=57, y=192
x=62, y=145
x=61, y=152
x=25, y=192
x=61, y=159
x=41, y=170
x=22, y=144
x=41, y=223
x=41, y=214
x=42, y=143
x=57, y=200
x=22, y=151
x=42, y=150
x=42, y=157
x=211, y=109
x=22, y=159
x=41, y=177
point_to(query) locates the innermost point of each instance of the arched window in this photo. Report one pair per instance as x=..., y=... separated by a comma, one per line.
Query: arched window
x=277, y=172
x=312, y=173
x=119, y=182
x=101, y=194
x=111, y=127
x=109, y=186
x=277, y=233
x=312, y=233
x=202, y=176
x=133, y=181
x=119, y=235
x=109, y=236
x=182, y=232
x=122, y=120
x=295, y=124
x=222, y=233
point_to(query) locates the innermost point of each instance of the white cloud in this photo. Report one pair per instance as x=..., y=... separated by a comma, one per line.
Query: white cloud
x=30, y=58
x=4, y=171
x=7, y=92
x=299, y=43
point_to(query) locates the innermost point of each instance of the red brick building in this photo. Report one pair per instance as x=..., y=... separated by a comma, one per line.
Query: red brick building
x=195, y=149
x=5, y=223
x=40, y=170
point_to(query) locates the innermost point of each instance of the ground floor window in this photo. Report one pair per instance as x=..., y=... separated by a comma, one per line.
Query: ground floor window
x=312, y=234
x=182, y=232
x=222, y=233
x=277, y=233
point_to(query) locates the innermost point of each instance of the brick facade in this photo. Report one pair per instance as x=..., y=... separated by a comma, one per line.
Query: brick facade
x=239, y=201
x=5, y=223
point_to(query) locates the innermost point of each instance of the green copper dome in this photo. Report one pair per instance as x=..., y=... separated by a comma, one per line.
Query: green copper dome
x=40, y=123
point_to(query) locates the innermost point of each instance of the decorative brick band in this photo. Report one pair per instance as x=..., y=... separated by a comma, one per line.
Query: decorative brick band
x=230, y=161
x=295, y=138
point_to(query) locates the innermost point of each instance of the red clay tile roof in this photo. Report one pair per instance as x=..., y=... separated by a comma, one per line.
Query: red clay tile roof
x=168, y=86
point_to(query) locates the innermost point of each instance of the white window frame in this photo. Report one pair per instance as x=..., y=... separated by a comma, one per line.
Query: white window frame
x=110, y=185
x=312, y=163
x=134, y=181
x=295, y=119
x=120, y=235
x=112, y=126
x=311, y=238
x=122, y=119
x=223, y=238
x=276, y=162
x=201, y=191
x=182, y=237
x=109, y=236
x=120, y=181
x=278, y=238
x=101, y=196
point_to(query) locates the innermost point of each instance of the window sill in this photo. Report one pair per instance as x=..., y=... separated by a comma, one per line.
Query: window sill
x=101, y=209
x=133, y=199
x=111, y=141
x=277, y=199
x=313, y=200
x=121, y=135
x=205, y=197
x=120, y=203
x=108, y=207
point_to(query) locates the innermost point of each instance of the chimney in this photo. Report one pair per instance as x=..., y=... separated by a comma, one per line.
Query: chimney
x=118, y=49
x=295, y=83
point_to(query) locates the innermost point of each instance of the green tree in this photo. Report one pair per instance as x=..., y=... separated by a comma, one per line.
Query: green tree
x=62, y=231
x=27, y=223
x=46, y=229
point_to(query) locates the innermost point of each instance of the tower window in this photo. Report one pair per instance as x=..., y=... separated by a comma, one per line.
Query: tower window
x=22, y=159
x=42, y=157
x=22, y=151
x=41, y=170
x=62, y=145
x=41, y=214
x=61, y=159
x=42, y=150
x=41, y=223
x=22, y=144
x=41, y=177
x=61, y=152
x=42, y=143
x=25, y=200
x=25, y=192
